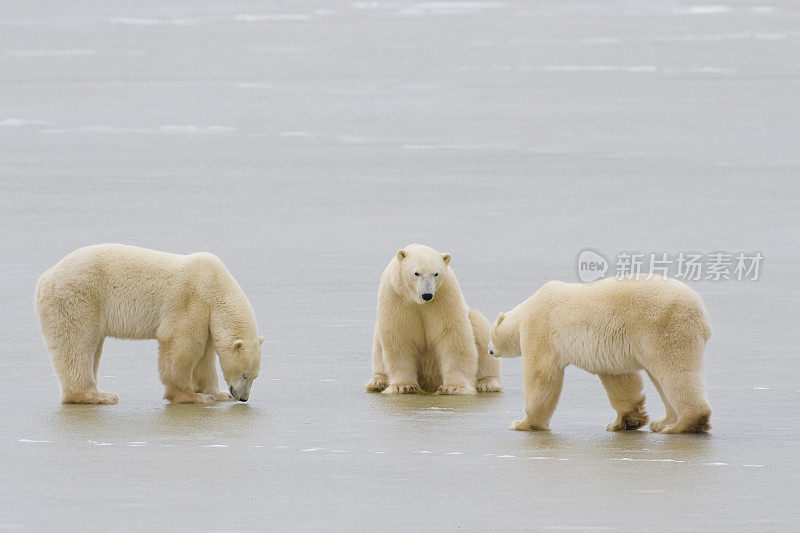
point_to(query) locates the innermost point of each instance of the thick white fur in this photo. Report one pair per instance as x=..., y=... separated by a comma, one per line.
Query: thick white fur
x=613, y=328
x=438, y=345
x=190, y=303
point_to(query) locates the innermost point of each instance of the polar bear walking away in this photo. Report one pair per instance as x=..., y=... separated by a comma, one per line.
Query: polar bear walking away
x=426, y=337
x=613, y=328
x=190, y=303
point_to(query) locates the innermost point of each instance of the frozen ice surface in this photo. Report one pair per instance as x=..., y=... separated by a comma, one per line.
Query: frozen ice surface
x=304, y=143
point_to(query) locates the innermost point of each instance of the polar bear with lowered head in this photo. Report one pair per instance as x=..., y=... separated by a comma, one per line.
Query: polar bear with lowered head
x=426, y=337
x=614, y=328
x=190, y=303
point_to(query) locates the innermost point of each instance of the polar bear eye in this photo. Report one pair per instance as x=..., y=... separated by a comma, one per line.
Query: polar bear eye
x=436, y=275
x=416, y=273
x=244, y=376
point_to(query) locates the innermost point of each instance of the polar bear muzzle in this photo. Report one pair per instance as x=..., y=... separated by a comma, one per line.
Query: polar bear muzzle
x=241, y=390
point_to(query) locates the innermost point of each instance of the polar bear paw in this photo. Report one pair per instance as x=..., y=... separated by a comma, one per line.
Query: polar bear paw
x=698, y=423
x=223, y=396
x=90, y=397
x=378, y=383
x=490, y=384
x=456, y=388
x=525, y=425
x=402, y=388
x=189, y=397
x=628, y=421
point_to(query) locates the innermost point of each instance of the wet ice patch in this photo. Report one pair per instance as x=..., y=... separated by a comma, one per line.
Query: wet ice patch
x=635, y=69
x=425, y=451
x=165, y=129
x=51, y=53
x=21, y=122
x=505, y=456
x=343, y=139
x=430, y=8
x=716, y=464
x=312, y=449
x=32, y=441
x=216, y=446
x=721, y=37
x=126, y=21
x=271, y=18
x=454, y=453
x=649, y=460
x=600, y=68
x=705, y=10
x=171, y=128
x=762, y=388
x=253, y=85
x=96, y=443
x=136, y=443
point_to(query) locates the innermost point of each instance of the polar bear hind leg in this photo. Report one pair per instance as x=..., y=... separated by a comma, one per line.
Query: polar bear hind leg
x=671, y=416
x=683, y=388
x=625, y=395
x=75, y=359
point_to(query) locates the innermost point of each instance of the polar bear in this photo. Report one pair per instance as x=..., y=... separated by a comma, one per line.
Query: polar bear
x=190, y=303
x=426, y=337
x=613, y=328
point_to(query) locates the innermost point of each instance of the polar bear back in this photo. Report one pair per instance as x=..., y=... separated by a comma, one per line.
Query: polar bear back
x=126, y=289
x=613, y=323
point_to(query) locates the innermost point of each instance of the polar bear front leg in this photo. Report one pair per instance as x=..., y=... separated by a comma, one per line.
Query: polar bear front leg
x=380, y=380
x=177, y=359
x=205, y=376
x=401, y=365
x=458, y=362
x=543, y=380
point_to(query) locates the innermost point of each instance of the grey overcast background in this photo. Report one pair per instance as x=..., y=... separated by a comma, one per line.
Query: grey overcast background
x=303, y=143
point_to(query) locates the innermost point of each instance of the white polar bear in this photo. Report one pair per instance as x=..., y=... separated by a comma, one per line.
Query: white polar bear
x=190, y=303
x=426, y=338
x=614, y=328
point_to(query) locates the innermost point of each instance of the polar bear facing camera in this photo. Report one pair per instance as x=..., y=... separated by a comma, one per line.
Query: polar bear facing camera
x=613, y=328
x=426, y=338
x=190, y=303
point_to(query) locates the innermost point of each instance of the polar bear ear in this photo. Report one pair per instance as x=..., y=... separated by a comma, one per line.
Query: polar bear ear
x=446, y=259
x=401, y=254
x=260, y=341
x=500, y=318
x=238, y=344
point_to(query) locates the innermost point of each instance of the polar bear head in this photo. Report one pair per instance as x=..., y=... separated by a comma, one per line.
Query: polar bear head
x=422, y=271
x=505, y=340
x=240, y=360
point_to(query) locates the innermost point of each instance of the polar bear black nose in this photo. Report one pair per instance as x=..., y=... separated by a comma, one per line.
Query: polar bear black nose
x=427, y=296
